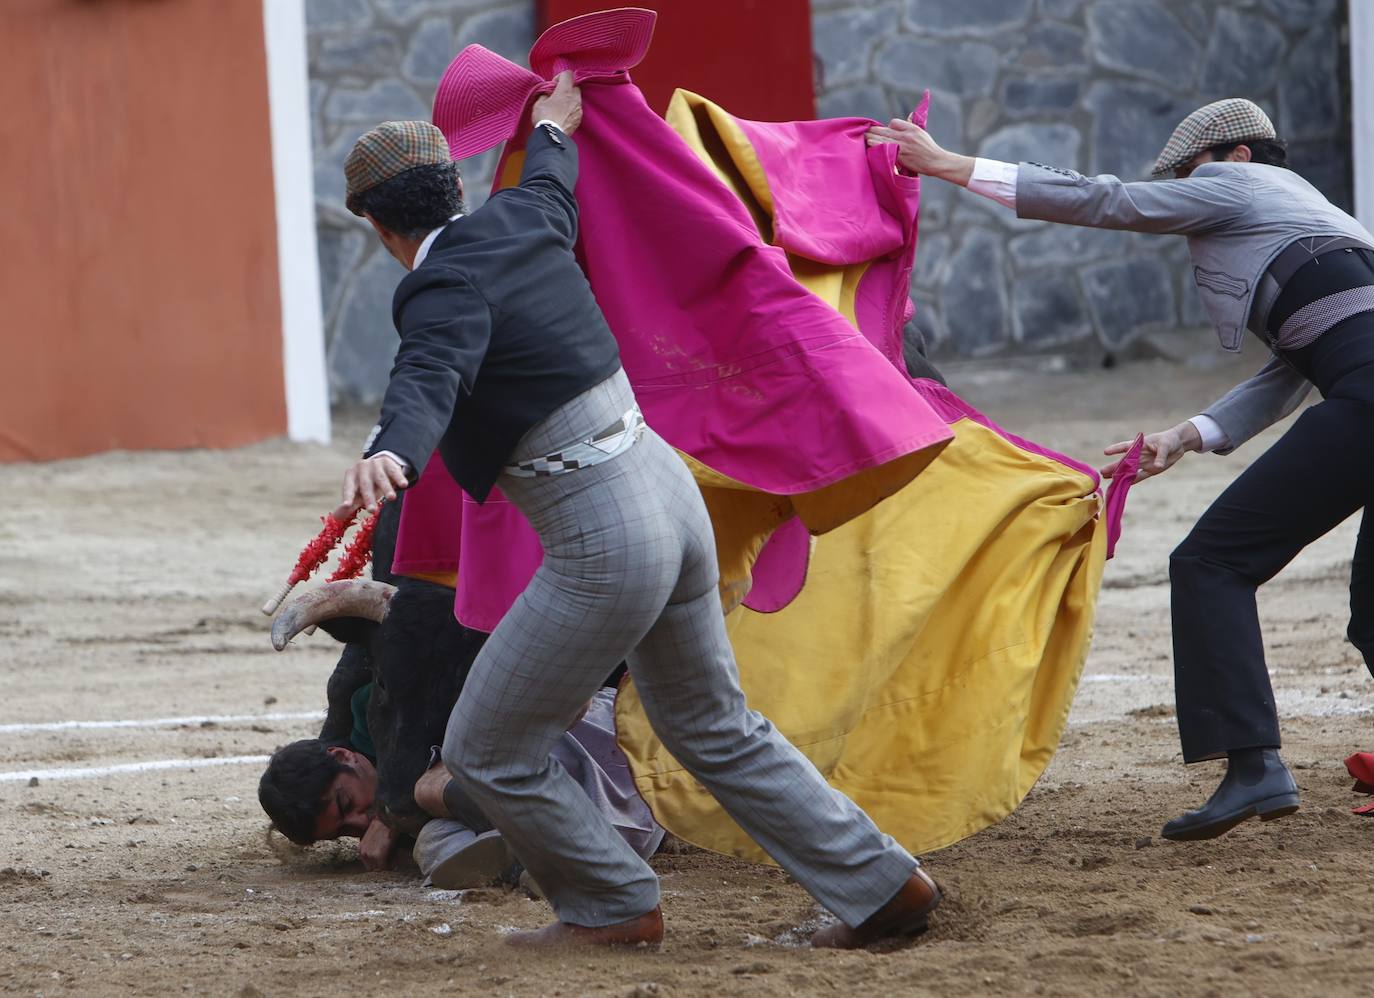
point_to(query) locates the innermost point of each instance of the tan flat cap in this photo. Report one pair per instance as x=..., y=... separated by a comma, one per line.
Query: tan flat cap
x=1234, y=119
x=390, y=149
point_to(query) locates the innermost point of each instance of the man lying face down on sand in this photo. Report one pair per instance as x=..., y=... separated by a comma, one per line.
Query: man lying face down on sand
x=314, y=791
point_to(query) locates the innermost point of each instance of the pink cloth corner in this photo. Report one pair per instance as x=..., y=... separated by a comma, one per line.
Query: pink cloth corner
x=780, y=570
x=1122, y=481
x=480, y=101
x=604, y=41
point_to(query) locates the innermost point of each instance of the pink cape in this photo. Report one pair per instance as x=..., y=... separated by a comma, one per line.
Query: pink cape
x=734, y=362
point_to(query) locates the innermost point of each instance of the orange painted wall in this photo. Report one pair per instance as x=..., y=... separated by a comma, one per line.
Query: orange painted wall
x=138, y=286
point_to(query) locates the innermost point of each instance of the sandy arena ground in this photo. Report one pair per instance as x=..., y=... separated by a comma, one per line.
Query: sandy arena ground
x=129, y=592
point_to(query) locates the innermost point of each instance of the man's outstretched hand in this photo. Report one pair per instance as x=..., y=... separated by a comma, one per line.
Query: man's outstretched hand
x=1160, y=453
x=368, y=482
x=563, y=107
x=918, y=153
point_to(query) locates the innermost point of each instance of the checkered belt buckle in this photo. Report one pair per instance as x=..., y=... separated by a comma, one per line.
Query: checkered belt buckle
x=601, y=446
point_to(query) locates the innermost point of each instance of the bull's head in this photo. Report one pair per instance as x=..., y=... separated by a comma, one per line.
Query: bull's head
x=403, y=638
x=351, y=612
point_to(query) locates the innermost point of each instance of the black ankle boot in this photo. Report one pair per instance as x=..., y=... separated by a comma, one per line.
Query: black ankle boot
x=1257, y=783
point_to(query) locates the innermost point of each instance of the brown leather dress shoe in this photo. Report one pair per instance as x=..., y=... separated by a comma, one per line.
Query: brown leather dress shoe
x=647, y=929
x=907, y=914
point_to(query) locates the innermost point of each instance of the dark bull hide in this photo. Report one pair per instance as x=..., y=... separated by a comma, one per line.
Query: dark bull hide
x=403, y=639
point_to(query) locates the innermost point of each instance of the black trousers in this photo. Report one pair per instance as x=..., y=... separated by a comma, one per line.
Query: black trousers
x=1319, y=473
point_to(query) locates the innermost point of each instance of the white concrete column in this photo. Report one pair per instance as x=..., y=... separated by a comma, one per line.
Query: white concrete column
x=302, y=320
x=1362, y=107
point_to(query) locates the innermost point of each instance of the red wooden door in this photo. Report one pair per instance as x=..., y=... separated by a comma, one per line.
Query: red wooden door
x=753, y=57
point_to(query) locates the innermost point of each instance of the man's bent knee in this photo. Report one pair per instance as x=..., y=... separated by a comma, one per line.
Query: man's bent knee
x=429, y=791
x=1196, y=561
x=1187, y=558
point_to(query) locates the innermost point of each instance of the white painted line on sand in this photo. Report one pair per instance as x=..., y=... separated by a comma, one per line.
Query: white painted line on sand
x=130, y=767
x=160, y=722
x=1105, y=677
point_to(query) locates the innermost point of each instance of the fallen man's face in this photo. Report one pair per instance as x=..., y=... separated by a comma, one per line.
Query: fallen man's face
x=349, y=803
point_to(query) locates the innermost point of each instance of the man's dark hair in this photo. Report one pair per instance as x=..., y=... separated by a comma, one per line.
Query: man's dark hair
x=415, y=202
x=1266, y=152
x=293, y=789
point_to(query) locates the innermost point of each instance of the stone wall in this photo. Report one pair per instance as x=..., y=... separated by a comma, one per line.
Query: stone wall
x=370, y=61
x=1092, y=84
x=1096, y=85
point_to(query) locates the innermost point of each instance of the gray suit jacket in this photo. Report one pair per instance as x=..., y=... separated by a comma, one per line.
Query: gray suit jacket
x=1238, y=217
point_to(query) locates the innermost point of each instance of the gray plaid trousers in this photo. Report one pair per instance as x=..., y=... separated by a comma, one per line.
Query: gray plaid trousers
x=629, y=572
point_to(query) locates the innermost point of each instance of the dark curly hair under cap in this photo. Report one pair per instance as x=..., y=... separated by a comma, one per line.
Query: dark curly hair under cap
x=415, y=202
x=1266, y=152
x=293, y=788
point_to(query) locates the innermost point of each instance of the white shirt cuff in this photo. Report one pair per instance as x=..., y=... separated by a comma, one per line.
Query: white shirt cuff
x=550, y=122
x=996, y=180
x=1213, y=436
x=402, y=462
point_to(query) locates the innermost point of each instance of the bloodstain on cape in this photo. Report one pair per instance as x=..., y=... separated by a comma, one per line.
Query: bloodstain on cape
x=920, y=614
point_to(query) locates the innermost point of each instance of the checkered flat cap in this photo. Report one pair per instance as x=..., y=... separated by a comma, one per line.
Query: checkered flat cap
x=1232, y=120
x=390, y=149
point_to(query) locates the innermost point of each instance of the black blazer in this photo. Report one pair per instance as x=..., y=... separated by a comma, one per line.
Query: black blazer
x=498, y=326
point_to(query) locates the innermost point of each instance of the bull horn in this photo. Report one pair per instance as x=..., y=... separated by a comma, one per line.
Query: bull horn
x=349, y=598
